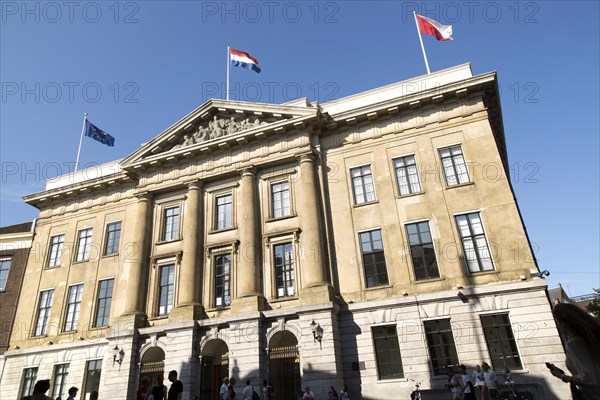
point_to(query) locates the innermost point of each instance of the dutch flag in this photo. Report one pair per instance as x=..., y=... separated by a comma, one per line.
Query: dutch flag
x=245, y=60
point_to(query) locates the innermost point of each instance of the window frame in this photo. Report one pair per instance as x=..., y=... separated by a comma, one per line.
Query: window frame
x=215, y=298
x=290, y=271
x=363, y=185
x=272, y=201
x=512, y=341
x=473, y=237
x=28, y=381
x=375, y=262
x=83, y=256
x=86, y=389
x=4, y=271
x=174, y=234
x=456, y=175
x=54, y=262
x=107, y=299
x=408, y=175
x=436, y=336
x=47, y=309
x=387, y=351
x=422, y=256
x=114, y=246
x=160, y=286
x=63, y=374
x=217, y=196
x=73, y=308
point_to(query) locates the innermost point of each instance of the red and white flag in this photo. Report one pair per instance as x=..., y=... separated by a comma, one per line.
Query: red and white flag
x=434, y=28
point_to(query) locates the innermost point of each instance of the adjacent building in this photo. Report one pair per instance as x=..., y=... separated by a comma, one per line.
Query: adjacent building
x=370, y=241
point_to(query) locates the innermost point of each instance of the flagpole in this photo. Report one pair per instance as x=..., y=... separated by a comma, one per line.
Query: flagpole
x=80, y=141
x=421, y=40
x=227, y=89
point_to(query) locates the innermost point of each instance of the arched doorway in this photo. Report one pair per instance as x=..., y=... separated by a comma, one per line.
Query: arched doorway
x=284, y=365
x=153, y=364
x=215, y=367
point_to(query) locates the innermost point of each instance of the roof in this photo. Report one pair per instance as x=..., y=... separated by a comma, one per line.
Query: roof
x=17, y=228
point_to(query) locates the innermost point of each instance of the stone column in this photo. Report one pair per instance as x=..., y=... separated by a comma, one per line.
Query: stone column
x=137, y=266
x=248, y=297
x=190, y=273
x=312, y=258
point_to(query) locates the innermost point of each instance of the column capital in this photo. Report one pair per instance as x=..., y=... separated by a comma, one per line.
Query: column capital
x=144, y=196
x=249, y=171
x=308, y=156
x=196, y=184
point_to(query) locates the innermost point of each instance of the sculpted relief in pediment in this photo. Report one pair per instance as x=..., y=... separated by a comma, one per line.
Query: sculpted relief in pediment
x=221, y=126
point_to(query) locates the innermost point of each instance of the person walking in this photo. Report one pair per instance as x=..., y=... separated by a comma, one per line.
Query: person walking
x=231, y=389
x=582, y=349
x=39, y=390
x=72, y=393
x=142, y=391
x=491, y=381
x=158, y=390
x=248, y=390
x=479, y=381
x=308, y=395
x=224, y=389
x=453, y=384
x=467, y=386
x=176, y=389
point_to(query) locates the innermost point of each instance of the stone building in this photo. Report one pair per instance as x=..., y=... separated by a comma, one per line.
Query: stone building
x=370, y=241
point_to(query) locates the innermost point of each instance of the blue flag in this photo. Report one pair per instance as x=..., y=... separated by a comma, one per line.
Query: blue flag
x=98, y=134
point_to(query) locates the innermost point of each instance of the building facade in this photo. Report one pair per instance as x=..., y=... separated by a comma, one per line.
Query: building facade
x=371, y=241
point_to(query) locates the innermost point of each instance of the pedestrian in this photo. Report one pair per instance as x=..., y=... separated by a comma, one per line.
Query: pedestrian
x=468, y=388
x=479, y=381
x=142, y=391
x=308, y=395
x=158, y=390
x=39, y=390
x=491, y=382
x=176, y=389
x=508, y=381
x=582, y=348
x=247, y=392
x=224, y=389
x=231, y=389
x=72, y=393
x=344, y=395
x=453, y=384
x=332, y=395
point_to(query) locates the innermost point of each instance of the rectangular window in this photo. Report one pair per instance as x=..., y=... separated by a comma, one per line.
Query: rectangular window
x=91, y=381
x=113, y=236
x=56, y=246
x=105, y=292
x=407, y=175
x=166, y=290
x=362, y=184
x=280, y=199
x=83, y=244
x=224, y=212
x=454, y=165
x=171, y=223
x=29, y=378
x=387, y=352
x=284, y=269
x=501, y=342
x=4, y=268
x=73, y=306
x=440, y=341
x=222, y=280
x=474, y=242
x=373, y=258
x=60, y=380
x=422, y=251
x=44, y=307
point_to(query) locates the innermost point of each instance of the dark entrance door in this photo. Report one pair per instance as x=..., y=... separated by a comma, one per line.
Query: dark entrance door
x=284, y=366
x=215, y=367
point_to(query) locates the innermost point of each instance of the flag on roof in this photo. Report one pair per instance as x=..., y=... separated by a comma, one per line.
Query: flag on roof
x=98, y=134
x=434, y=28
x=244, y=60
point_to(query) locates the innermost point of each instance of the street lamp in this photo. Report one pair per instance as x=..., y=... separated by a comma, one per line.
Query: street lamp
x=317, y=331
x=118, y=355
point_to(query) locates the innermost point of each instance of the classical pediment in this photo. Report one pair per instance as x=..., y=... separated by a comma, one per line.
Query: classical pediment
x=217, y=123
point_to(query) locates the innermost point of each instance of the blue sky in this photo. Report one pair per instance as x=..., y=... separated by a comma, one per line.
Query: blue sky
x=138, y=66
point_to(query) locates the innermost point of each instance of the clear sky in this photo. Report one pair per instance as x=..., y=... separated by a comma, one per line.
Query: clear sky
x=138, y=66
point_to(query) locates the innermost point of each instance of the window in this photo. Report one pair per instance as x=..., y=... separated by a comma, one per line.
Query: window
x=83, y=244
x=440, y=341
x=280, y=199
x=224, y=212
x=29, y=378
x=362, y=184
x=60, y=376
x=4, y=268
x=454, y=165
x=56, y=246
x=475, y=245
x=171, y=223
x=422, y=251
x=113, y=236
x=284, y=269
x=105, y=291
x=501, y=342
x=407, y=175
x=44, y=307
x=387, y=352
x=73, y=306
x=222, y=280
x=373, y=258
x=166, y=290
x=91, y=378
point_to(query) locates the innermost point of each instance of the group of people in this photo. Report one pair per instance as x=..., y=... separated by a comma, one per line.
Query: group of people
x=43, y=385
x=227, y=390
x=482, y=383
x=158, y=391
